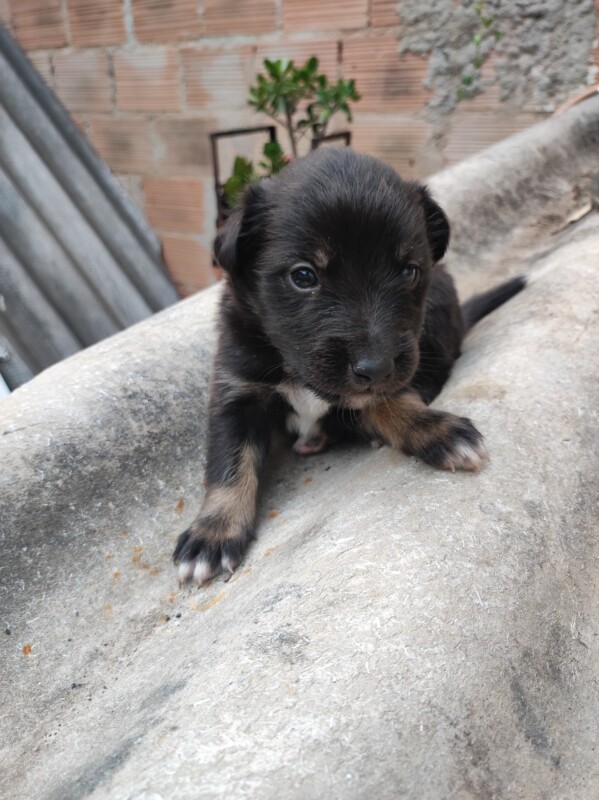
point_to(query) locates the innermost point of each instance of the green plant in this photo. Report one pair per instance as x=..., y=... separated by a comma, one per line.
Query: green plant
x=302, y=100
x=244, y=172
x=486, y=31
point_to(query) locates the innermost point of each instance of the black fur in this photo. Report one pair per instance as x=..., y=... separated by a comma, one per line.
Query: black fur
x=373, y=242
x=480, y=305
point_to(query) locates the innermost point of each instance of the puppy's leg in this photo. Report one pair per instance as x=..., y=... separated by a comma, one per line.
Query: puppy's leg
x=441, y=439
x=238, y=441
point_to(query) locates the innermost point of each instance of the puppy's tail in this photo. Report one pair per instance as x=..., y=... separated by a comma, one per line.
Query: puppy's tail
x=482, y=304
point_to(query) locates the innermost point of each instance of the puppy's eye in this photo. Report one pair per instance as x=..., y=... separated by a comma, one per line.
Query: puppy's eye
x=303, y=277
x=410, y=274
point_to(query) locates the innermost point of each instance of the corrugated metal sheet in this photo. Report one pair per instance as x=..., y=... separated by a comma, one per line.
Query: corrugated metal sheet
x=78, y=262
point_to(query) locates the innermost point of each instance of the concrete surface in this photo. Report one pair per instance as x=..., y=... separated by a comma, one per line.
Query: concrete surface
x=544, y=53
x=395, y=632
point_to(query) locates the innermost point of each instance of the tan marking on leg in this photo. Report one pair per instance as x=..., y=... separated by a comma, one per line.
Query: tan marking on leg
x=235, y=504
x=392, y=419
x=407, y=424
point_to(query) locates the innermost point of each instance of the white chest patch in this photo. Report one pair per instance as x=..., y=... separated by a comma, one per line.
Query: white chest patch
x=308, y=408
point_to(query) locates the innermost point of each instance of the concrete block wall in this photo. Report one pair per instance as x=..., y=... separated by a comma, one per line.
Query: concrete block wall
x=148, y=80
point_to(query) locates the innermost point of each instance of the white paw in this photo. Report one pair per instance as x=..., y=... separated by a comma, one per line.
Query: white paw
x=469, y=456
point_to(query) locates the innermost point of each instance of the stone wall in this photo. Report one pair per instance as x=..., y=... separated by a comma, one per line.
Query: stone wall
x=149, y=79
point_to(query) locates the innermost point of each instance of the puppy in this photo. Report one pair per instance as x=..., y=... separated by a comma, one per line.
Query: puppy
x=334, y=301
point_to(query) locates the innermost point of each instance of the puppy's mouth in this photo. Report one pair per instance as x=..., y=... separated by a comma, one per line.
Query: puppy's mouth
x=343, y=385
x=357, y=398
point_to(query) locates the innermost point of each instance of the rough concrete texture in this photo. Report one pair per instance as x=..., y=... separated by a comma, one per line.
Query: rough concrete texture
x=395, y=631
x=543, y=54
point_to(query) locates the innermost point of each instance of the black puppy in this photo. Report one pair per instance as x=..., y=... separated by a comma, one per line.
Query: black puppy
x=334, y=300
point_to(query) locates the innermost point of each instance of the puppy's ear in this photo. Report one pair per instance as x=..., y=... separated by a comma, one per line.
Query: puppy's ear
x=240, y=238
x=437, y=225
x=225, y=244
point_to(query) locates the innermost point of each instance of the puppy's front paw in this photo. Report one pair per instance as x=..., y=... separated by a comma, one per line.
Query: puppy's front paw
x=206, y=548
x=449, y=442
x=467, y=450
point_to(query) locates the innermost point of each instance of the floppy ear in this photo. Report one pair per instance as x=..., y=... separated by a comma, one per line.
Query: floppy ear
x=240, y=238
x=437, y=225
x=225, y=244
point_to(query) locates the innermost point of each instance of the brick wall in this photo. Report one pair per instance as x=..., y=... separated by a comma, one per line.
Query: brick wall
x=147, y=80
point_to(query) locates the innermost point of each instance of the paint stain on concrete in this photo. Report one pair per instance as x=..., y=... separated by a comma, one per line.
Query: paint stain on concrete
x=139, y=562
x=209, y=603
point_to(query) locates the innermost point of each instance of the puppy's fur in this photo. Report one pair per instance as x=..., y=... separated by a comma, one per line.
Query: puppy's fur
x=334, y=300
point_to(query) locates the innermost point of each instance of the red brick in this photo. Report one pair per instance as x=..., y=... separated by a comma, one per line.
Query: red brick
x=384, y=13
x=41, y=61
x=322, y=15
x=188, y=262
x=218, y=77
x=185, y=145
x=185, y=290
x=232, y=17
x=397, y=141
x=165, y=20
x=147, y=80
x=387, y=80
x=96, y=22
x=124, y=142
x=175, y=204
x=38, y=24
x=473, y=131
x=83, y=81
x=299, y=52
x=5, y=14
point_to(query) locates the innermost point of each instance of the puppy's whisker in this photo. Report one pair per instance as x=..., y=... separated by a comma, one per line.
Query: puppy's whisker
x=273, y=369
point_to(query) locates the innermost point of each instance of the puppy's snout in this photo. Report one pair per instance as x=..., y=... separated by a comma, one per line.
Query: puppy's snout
x=373, y=370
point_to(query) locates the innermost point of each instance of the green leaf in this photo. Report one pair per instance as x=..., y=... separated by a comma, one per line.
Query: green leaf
x=285, y=88
x=275, y=156
x=243, y=174
x=467, y=80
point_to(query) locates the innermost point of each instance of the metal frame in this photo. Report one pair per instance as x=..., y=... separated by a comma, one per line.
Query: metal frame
x=222, y=208
x=331, y=137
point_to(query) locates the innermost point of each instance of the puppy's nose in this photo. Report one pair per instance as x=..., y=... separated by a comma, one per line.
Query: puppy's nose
x=373, y=370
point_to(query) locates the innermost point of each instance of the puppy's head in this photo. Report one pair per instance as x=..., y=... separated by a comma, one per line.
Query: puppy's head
x=335, y=256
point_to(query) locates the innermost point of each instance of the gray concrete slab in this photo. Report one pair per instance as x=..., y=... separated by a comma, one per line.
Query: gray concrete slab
x=395, y=631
